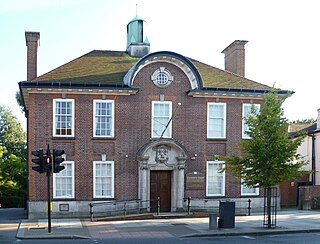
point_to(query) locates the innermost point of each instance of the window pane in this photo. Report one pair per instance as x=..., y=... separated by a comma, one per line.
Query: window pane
x=161, y=117
x=104, y=119
x=63, y=117
x=103, y=179
x=245, y=113
x=64, y=182
x=216, y=121
x=215, y=179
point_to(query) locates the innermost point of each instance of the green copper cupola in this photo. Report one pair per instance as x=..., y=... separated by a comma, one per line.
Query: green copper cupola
x=137, y=43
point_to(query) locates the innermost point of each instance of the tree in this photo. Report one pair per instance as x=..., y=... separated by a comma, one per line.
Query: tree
x=19, y=100
x=269, y=157
x=13, y=154
x=303, y=121
x=12, y=136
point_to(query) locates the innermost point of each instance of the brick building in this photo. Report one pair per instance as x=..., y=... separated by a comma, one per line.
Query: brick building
x=138, y=125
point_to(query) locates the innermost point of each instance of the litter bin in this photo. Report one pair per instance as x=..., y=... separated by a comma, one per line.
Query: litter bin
x=226, y=214
x=213, y=221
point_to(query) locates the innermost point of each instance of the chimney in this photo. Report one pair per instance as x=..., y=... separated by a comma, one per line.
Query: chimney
x=318, y=119
x=32, y=40
x=234, y=59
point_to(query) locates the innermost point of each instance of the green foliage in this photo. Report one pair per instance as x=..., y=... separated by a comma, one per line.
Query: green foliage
x=12, y=202
x=13, y=154
x=303, y=121
x=12, y=136
x=19, y=100
x=269, y=157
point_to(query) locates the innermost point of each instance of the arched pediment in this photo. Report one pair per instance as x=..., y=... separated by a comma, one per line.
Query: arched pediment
x=142, y=152
x=174, y=58
x=162, y=153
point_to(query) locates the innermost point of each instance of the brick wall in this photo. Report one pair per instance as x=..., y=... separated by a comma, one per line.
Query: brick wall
x=132, y=131
x=309, y=197
x=32, y=39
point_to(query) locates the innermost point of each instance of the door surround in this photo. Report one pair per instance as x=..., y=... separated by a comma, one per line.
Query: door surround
x=162, y=154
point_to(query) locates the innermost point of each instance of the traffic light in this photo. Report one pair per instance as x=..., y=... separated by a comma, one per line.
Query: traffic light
x=38, y=160
x=57, y=160
x=47, y=161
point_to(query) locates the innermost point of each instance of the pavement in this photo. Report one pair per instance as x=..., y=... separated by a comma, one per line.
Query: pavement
x=293, y=221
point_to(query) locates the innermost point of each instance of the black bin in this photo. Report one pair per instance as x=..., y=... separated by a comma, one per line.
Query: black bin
x=226, y=215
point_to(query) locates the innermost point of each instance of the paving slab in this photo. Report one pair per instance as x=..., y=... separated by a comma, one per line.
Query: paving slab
x=297, y=221
x=60, y=229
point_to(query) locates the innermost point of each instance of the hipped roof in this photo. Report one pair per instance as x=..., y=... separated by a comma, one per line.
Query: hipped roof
x=110, y=67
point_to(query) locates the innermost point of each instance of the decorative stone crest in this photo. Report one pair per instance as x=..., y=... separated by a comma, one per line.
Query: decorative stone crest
x=162, y=154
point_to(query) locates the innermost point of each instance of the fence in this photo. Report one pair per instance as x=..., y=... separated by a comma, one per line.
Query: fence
x=118, y=207
x=242, y=206
x=138, y=206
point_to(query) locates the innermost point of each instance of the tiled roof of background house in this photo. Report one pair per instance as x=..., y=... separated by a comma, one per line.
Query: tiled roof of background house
x=111, y=66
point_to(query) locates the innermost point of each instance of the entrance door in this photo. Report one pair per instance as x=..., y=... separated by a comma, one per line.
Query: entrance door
x=160, y=186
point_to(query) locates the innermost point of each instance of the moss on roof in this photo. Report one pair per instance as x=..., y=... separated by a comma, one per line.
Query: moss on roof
x=216, y=78
x=110, y=67
x=94, y=67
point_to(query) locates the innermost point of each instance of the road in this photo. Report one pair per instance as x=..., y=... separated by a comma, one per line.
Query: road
x=10, y=219
x=9, y=223
x=304, y=238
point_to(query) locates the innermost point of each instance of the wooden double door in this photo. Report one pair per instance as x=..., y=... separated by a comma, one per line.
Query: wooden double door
x=160, y=186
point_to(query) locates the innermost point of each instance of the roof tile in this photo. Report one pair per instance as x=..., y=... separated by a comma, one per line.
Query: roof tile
x=111, y=66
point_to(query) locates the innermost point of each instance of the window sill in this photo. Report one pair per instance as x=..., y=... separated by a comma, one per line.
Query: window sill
x=214, y=197
x=216, y=139
x=103, y=199
x=63, y=199
x=63, y=138
x=104, y=138
x=253, y=195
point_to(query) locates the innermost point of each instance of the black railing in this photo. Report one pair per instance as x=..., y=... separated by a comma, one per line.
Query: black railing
x=138, y=206
x=120, y=207
x=212, y=205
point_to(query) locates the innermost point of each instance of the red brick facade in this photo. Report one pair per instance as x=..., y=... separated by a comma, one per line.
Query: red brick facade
x=132, y=131
x=111, y=75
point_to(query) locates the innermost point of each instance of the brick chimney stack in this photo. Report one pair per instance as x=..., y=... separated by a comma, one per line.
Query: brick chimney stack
x=234, y=60
x=32, y=41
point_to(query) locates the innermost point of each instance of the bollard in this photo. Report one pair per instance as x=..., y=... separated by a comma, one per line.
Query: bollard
x=124, y=208
x=213, y=221
x=189, y=200
x=158, y=206
x=249, y=207
x=91, y=212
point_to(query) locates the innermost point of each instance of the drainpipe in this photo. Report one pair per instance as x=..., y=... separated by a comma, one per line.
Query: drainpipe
x=313, y=161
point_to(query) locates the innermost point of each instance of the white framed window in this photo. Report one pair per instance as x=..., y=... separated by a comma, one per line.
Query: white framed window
x=215, y=182
x=162, y=77
x=216, y=120
x=103, y=118
x=103, y=179
x=63, y=182
x=249, y=191
x=246, y=108
x=161, y=115
x=63, y=117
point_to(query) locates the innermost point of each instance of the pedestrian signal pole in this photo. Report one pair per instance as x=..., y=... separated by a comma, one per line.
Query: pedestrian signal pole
x=49, y=164
x=48, y=168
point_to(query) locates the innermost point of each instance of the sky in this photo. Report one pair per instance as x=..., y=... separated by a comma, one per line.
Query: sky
x=282, y=49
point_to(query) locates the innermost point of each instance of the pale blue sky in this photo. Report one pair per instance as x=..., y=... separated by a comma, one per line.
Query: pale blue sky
x=283, y=37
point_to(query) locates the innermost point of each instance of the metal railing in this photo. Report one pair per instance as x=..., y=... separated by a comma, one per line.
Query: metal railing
x=138, y=206
x=119, y=207
x=209, y=205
